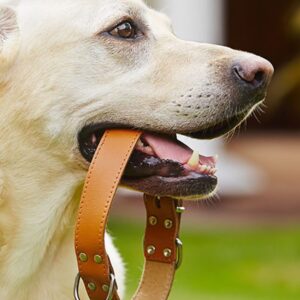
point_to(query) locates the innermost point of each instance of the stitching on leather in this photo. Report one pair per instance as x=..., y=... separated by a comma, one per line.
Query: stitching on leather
x=84, y=196
x=166, y=289
x=170, y=272
x=142, y=283
x=169, y=281
x=108, y=202
x=81, y=208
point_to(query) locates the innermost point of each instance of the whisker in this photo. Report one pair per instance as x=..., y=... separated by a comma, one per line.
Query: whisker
x=256, y=117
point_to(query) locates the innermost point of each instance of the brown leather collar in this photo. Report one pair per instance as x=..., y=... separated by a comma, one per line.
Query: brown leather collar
x=161, y=241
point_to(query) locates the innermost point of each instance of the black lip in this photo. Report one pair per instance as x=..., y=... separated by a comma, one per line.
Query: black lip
x=142, y=165
x=220, y=128
x=86, y=151
x=192, y=185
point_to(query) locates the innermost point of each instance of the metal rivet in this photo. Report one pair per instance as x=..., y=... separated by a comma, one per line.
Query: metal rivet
x=92, y=286
x=168, y=224
x=151, y=250
x=105, y=288
x=152, y=220
x=180, y=209
x=83, y=257
x=98, y=259
x=167, y=252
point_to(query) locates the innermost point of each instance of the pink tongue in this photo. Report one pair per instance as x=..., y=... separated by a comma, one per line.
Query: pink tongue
x=168, y=149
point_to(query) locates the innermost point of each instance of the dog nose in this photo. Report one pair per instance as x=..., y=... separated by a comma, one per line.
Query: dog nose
x=253, y=71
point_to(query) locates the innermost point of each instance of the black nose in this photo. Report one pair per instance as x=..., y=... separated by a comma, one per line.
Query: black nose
x=253, y=72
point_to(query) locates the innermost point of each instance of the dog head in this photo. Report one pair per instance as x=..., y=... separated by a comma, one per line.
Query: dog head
x=76, y=69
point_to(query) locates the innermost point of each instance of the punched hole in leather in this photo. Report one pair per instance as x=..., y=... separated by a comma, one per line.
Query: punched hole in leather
x=160, y=248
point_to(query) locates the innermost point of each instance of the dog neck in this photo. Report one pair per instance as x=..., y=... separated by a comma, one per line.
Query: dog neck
x=39, y=200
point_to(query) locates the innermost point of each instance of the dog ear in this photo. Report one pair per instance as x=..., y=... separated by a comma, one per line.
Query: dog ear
x=9, y=35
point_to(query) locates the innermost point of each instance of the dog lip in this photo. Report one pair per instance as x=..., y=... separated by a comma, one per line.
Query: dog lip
x=193, y=186
x=219, y=129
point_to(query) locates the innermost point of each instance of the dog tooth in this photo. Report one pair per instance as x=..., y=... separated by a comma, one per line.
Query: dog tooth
x=194, y=160
x=149, y=150
x=200, y=168
x=203, y=168
x=140, y=143
x=209, y=168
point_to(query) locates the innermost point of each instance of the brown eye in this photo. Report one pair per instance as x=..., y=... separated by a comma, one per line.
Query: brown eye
x=125, y=30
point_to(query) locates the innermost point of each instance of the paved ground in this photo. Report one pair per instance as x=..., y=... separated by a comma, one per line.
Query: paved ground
x=278, y=203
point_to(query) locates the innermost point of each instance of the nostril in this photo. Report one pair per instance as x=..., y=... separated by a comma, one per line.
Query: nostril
x=259, y=76
x=238, y=73
x=253, y=77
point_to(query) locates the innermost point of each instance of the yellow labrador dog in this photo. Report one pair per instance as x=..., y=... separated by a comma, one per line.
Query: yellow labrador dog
x=71, y=69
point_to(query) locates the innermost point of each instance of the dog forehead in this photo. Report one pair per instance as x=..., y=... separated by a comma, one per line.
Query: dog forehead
x=86, y=15
x=45, y=23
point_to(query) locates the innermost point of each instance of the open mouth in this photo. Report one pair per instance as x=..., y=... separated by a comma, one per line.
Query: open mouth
x=160, y=165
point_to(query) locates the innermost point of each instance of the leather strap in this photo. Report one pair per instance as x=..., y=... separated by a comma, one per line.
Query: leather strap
x=160, y=248
x=162, y=228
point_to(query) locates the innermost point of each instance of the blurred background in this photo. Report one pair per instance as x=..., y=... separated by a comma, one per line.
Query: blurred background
x=243, y=244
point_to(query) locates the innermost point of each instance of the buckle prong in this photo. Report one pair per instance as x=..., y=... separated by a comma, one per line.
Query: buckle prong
x=179, y=245
x=111, y=286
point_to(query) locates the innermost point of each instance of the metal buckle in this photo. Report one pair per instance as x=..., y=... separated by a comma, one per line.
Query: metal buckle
x=111, y=287
x=180, y=210
x=179, y=245
x=76, y=287
x=110, y=291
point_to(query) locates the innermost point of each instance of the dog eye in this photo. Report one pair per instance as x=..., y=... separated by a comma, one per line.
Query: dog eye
x=126, y=30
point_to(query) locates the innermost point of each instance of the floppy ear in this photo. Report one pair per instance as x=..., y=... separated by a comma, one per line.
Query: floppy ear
x=9, y=35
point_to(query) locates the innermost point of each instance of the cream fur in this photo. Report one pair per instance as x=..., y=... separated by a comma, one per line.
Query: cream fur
x=56, y=76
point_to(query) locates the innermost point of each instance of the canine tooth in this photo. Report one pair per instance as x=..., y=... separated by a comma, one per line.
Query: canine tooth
x=194, y=160
x=140, y=143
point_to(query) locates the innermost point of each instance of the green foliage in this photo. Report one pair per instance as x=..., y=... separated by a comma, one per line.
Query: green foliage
x=220, y=264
